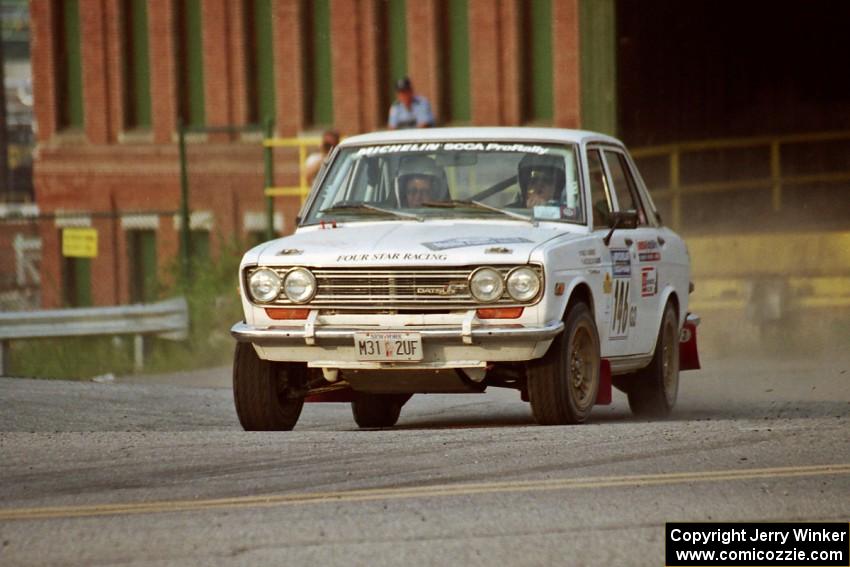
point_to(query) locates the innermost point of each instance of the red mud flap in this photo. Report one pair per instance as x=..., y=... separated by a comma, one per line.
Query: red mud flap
x=603, y=395
x=688, y=354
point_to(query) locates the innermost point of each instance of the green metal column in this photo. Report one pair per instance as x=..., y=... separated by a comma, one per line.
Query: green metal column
x=322, y=77
x=458, y=60
x=268, y=163
x=265, y=58
x=396, y=42
x=185, y=243
x=541, y=106
x=598, y=45
x=72, y=106
x=137, y=66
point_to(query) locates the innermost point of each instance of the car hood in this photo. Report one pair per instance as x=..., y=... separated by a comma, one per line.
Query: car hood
x=431, y=243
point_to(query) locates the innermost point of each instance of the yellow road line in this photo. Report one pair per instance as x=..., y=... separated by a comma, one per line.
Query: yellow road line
x=273, y=500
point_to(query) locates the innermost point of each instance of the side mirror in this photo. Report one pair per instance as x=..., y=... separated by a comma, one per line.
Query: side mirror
x=623, y=219
x=620, y=219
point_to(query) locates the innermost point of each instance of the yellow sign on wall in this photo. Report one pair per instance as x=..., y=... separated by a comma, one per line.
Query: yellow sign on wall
x=79, y=242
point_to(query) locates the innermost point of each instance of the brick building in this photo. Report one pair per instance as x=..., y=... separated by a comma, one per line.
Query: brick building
x=114, y=78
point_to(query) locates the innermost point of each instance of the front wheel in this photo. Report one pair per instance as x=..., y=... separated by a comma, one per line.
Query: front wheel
x=653, y=391
x=263, y=391
x=562, y=386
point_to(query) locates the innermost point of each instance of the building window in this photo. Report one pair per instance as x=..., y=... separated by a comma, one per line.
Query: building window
x=190, y=63
x=536, y=60
x=200, y=243
x=259, y=60
x=141, y=252
x=392, y=47
x=317, y=63
x=454, y=55
x=136, y=61
x=76, y=274
x=68, y=64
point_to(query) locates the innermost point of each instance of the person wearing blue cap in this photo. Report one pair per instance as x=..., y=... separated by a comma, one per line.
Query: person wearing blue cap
x=409, y=110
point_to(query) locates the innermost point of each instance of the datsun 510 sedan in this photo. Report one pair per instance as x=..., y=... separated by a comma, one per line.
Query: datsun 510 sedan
x=452, y=260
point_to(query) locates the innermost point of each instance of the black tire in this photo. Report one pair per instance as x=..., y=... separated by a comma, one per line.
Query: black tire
x=654, y=389
x=377, y=410
x=562, y=386
x=261, y=391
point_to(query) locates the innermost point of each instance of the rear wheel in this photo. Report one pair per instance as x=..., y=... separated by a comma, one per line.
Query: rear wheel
x=377, y=410
x=653, y=390
x=562, y=386
x=263, y=391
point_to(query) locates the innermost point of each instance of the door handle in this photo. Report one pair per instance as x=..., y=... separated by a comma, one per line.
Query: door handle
x=628, y=242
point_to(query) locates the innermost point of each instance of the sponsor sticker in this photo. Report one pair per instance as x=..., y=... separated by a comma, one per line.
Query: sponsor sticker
x=649, y=256
x=545, y=212
x=452, y=146
x=472, y=241
x=588, y=257
x=648, y=281
x=424, y=256
x=622, y=262
x=620, y=318
x=606, y=283
x=647, y=244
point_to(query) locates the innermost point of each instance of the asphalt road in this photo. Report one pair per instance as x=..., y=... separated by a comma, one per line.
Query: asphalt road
x=158, y=472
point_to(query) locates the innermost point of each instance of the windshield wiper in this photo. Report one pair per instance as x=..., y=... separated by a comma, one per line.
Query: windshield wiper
x=455, y=203
x=355, y=206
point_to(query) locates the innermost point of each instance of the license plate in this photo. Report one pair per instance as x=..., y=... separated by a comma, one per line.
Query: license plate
x=388, y=346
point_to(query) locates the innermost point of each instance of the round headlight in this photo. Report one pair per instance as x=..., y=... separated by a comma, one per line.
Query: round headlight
x=299, y=285
x=523, y=284
x=264, y=285
x=486, y=285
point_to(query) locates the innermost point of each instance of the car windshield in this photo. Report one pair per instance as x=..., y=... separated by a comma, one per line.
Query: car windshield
x=421, y=181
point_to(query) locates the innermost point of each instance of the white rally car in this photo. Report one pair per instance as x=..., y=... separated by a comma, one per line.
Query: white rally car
x=450, y=260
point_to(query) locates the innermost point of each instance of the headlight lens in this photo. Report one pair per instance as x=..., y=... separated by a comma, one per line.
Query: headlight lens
x=523, y=284
x=264, y=285
x=486, y=285
x=299, y=285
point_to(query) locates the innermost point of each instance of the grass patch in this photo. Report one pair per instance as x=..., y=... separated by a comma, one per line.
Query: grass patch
x=71, y=358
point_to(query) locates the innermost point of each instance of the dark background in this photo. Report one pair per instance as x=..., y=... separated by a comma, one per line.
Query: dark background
x=697, y=69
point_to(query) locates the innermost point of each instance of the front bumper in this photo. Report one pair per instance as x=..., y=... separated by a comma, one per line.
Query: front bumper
x=310, y=334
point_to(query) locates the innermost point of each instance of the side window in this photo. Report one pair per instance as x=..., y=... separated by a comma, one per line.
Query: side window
x=624, y=184
x=599, y=201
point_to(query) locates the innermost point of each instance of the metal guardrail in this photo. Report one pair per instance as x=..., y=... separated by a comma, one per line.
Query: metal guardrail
x=775, y=181
x=167, y=319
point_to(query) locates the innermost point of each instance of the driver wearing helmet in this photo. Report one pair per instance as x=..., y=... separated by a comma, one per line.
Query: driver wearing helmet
x=541, y=179
x=419, y=180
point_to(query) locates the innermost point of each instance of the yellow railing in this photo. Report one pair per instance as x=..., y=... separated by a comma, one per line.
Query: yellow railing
x=301, y=144
x=775, y=181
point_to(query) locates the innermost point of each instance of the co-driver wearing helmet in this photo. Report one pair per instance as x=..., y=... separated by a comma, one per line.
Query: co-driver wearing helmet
x=541, y=189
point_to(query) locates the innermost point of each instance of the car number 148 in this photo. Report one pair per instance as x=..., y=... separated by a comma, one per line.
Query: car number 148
x=388, y=346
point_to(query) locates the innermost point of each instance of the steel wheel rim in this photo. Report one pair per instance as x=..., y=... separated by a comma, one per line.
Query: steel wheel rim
x=670, y=363
x=581, y=367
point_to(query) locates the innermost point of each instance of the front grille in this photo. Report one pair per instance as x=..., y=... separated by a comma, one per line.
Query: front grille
x=429, y=288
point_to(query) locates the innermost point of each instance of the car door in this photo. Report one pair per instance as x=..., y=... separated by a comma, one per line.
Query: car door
x=644, y=252
x=617, y=288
